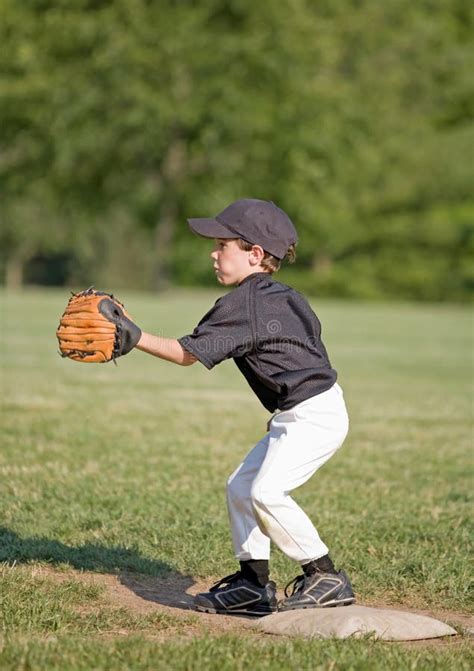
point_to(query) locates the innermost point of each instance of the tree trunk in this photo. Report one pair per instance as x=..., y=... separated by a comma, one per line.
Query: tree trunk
x=14, y=271
x=321, y=263
x=164, y=231
x=174, y=167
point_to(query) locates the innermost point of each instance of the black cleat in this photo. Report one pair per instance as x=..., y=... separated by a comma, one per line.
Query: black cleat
x=319, y=590
x=235, y=595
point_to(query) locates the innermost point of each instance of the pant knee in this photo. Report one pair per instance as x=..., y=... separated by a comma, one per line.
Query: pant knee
x=236, y=488
x=262, y=495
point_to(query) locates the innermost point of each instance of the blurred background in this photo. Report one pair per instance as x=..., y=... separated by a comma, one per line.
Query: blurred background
x=121, y=118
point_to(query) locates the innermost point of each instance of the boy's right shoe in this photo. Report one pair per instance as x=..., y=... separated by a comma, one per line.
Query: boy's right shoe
x=235, y=595
x=319, y=590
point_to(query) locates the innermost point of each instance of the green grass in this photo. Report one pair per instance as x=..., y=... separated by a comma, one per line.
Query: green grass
x=36, y=604
x=228, y=653
x=122, y=469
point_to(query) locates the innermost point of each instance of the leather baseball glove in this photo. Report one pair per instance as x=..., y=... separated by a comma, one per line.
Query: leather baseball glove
x=95, y=328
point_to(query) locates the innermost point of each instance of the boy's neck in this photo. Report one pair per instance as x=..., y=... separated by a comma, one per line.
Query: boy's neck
x=258, y=271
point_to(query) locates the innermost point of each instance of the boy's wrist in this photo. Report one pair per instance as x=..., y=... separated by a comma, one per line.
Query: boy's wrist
x=168, y=349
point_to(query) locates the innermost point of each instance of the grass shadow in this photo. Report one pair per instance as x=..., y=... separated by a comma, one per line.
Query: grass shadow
x=150, y=579
x=170, y=590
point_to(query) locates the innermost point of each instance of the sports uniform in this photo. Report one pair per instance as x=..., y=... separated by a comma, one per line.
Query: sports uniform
x=274, y=337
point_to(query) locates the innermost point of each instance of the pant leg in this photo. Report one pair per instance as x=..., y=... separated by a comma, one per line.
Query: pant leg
x=301, y=440
x=249, y=538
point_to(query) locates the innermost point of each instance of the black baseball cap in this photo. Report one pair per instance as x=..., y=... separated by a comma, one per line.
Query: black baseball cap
x=259, y=222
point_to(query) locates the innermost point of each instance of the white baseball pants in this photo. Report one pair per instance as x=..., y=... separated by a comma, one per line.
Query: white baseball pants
x=260, y=508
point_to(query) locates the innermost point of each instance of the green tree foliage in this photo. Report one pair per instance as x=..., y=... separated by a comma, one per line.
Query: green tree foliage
x=120, y=118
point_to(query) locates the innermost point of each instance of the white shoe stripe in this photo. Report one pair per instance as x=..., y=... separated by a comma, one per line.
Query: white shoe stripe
x=241, y=603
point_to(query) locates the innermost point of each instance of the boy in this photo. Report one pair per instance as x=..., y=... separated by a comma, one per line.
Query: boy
x=274, y=338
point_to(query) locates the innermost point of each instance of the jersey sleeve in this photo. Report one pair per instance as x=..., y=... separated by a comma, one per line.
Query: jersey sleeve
x=223, y=333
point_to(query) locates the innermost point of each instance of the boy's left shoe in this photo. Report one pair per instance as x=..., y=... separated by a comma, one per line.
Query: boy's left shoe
x=319, y=590
x=235, y=595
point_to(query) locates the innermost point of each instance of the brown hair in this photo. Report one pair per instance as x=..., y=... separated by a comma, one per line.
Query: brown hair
x=269, y=262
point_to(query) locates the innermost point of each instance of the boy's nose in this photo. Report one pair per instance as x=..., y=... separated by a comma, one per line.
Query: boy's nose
x=214, y=255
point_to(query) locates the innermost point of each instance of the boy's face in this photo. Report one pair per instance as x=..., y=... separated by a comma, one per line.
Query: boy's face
x=233, y=264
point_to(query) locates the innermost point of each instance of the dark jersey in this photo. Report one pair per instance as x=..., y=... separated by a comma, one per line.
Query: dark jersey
x=273, y=336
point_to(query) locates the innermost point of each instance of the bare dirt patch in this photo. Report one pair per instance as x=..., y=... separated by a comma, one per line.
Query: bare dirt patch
x=173, y=594
x=143, y=595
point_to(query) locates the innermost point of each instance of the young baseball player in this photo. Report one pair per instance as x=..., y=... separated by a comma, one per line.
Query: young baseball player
x=274, y=337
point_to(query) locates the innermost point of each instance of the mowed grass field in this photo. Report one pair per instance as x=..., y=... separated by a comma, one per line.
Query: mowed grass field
x=113, y=483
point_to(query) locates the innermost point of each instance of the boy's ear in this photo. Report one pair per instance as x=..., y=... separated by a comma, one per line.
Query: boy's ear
x=256, y=254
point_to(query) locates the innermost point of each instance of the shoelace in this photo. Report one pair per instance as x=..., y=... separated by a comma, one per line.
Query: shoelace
x=297, y=584
x=226, y=581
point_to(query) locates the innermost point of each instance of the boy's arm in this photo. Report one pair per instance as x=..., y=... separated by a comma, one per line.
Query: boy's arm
x=168, y=349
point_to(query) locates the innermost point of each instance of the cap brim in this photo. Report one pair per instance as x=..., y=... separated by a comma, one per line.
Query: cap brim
x=210, y=228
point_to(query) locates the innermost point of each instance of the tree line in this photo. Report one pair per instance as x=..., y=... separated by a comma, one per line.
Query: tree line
x=121, y=118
